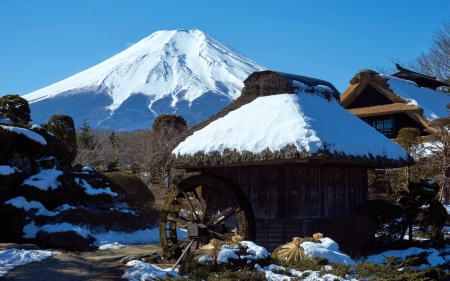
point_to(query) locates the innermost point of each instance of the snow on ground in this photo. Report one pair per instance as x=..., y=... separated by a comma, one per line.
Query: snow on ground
x=22, y=203
x=94, y=191
x=308, y=121
x=433, y=259
x=144, y=271
x=447, y=207
x=7, y=170
x=29, y=134
x=44, y=179
x=13, y=257
x=113, y=246
x=328, y=249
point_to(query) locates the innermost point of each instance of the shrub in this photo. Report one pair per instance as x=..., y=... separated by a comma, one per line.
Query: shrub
x=56, y=148
x=351, y=232
x=15, y=108
x=385, y=217
x=136, y=192
x=63, y=128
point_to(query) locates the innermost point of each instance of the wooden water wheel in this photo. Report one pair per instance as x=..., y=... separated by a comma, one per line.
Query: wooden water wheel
x=202, y=208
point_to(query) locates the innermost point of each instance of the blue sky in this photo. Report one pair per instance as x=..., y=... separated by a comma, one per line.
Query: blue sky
x=43, y=42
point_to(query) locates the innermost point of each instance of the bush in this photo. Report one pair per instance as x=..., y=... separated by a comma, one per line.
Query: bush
x=351, y=232
x=15, y=108
x=63, y=128
x=56, y=148
x=384, y=216
x=136, y=192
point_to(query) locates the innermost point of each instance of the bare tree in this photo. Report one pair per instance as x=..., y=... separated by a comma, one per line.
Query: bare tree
x=436, y=62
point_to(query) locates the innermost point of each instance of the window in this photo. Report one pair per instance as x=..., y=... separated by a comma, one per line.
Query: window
x=384, y=126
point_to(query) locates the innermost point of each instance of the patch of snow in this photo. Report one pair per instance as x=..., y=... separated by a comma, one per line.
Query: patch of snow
x=432, y=102
x=29, y=134
x=36, y=127
x=6, y=170
x=255, y=251
x=94, y=191
x=327, y=249
x=21, y=203
x=226, y=253
x=14, y=257
x=87, y=168
x=45, y=179
x=113, y=246
x=5, y=120
x=123, y=211
x=433, y=259
x=447, y=207
x=305, y=120
x=31, y=229
x=144, y=271
x=146, y=236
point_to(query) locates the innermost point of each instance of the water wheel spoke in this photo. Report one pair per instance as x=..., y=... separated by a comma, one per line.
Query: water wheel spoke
x=216, y=203
x=228, y=212
x=182, y=221
x=208, y=194
x=178, y=245
x=221, y=236
x=186, y=196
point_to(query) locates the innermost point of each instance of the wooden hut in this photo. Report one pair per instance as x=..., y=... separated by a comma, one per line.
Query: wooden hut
x=390, y=103
x=295, y=154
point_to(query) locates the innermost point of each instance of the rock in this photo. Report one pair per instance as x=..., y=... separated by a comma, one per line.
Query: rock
x=67, y=240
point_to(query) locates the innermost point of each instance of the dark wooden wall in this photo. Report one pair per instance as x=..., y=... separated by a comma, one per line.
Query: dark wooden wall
x=297, y=199
x=299, y=191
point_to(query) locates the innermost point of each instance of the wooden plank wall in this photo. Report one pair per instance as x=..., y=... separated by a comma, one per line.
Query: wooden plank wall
x=299, y=191
x=273, y=233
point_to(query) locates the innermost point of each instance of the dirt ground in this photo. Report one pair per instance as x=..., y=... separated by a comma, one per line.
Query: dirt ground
x=88, y=265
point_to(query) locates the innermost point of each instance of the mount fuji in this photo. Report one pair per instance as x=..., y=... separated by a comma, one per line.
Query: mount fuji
x=181, y=72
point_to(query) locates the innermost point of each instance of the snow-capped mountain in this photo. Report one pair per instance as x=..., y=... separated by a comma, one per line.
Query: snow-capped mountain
x=182, y=72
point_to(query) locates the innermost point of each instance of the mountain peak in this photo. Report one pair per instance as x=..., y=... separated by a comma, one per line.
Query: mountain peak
x=183, y=72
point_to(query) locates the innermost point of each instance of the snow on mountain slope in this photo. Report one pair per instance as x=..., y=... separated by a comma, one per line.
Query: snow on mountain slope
x=183, y=72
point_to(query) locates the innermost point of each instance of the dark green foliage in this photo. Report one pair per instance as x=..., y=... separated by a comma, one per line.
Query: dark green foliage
x=385, y=217
x=6, y=140
x=116, y=145
x=219, y=272
x=15, y=108
x=351, y=232
x=63, y=128
x=399, y=270
x=56, y=148
x=86, y=139
x=169, y=121
x=412, y=201
x=136, y=193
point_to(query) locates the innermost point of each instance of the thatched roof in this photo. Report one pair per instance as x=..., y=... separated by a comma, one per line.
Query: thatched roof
x=300, y=121
x=421, y=103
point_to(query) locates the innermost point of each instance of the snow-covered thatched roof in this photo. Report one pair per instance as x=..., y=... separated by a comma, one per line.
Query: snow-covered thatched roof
x=406, y=96
x=307, y=123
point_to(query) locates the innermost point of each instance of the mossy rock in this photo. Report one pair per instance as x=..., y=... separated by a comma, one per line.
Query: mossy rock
x=136, y=192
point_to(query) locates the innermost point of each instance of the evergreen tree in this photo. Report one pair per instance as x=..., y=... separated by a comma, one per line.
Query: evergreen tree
x=89, y=148
x=116, y=145
x=15, y=108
